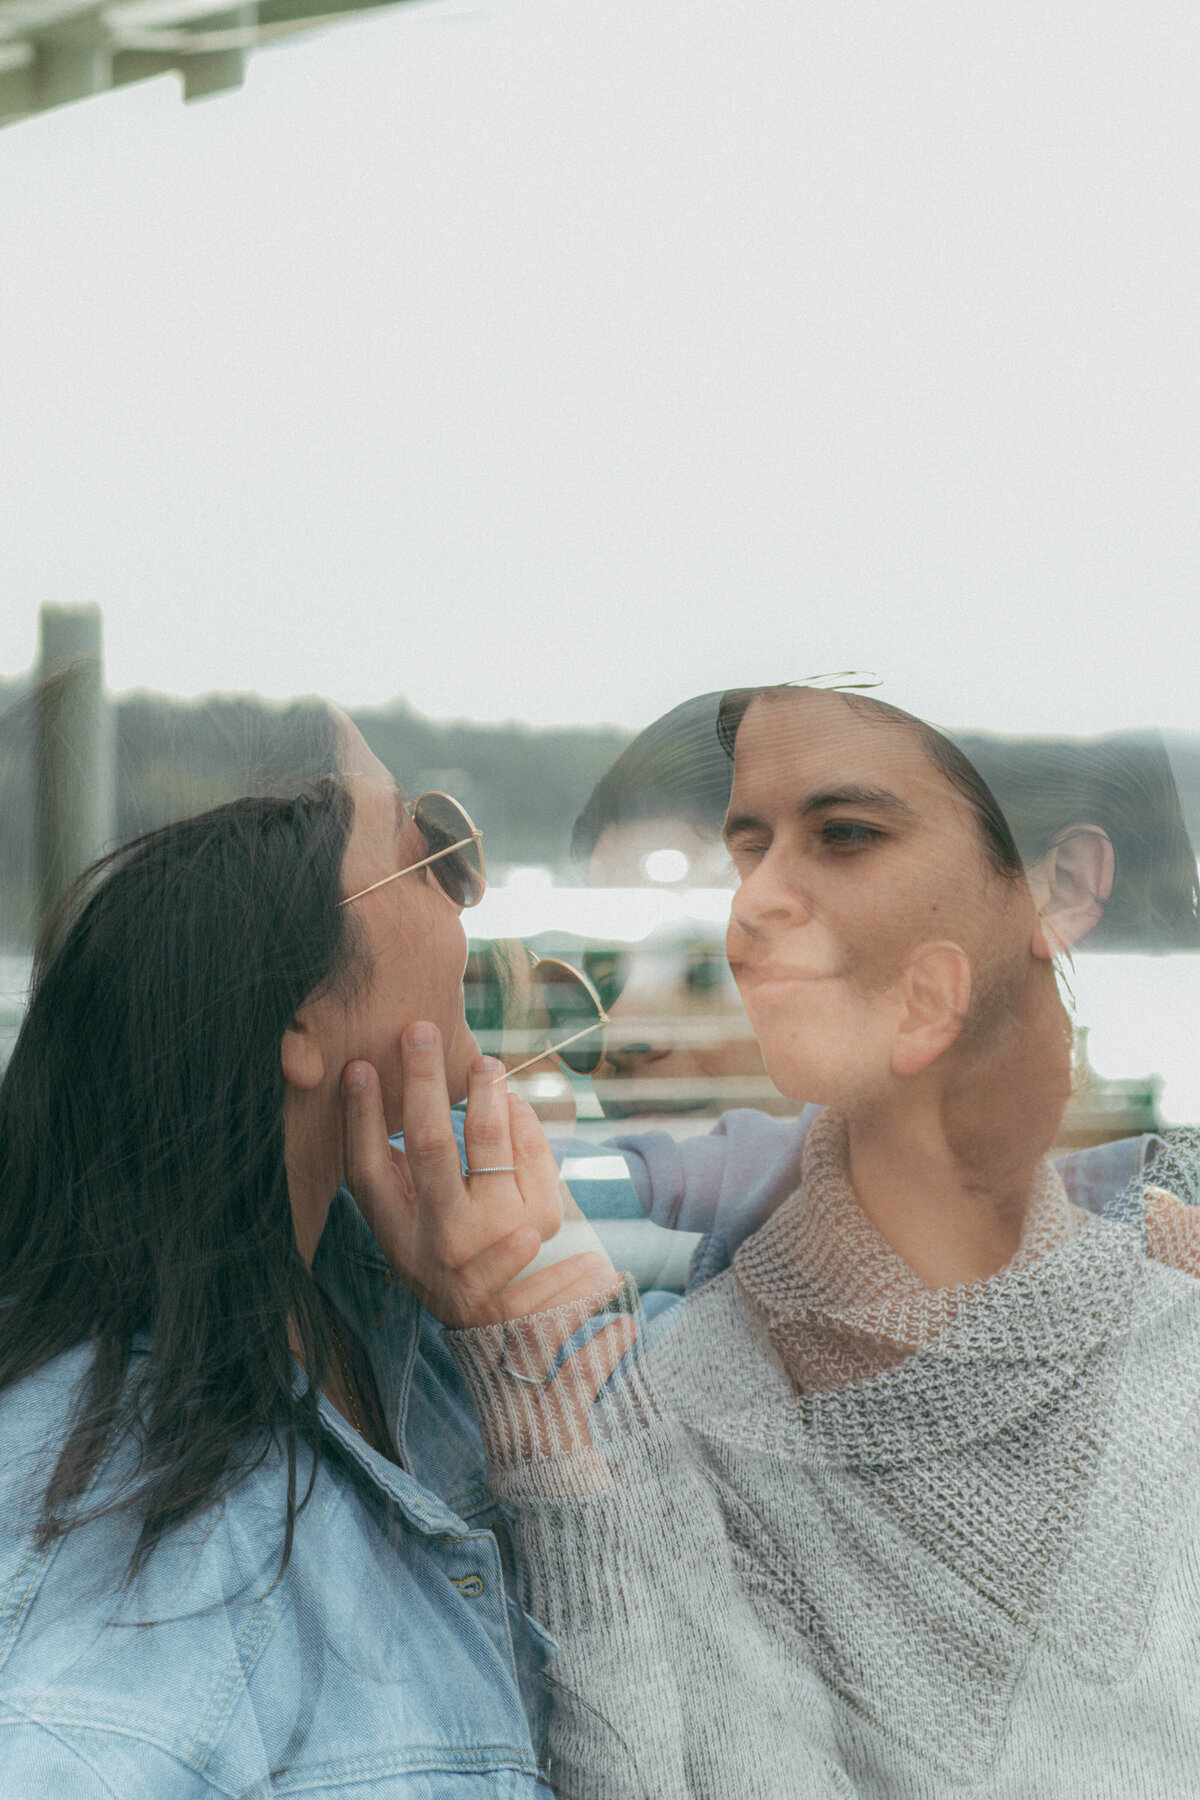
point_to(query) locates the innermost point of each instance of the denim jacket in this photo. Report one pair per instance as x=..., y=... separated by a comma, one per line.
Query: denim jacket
x=390, y=1660
x=386, y=1662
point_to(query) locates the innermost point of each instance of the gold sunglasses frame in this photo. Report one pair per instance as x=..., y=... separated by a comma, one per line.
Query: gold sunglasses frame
x=475, y=837
x=601, y=1022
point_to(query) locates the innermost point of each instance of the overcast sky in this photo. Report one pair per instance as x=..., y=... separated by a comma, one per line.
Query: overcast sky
x=555, y=359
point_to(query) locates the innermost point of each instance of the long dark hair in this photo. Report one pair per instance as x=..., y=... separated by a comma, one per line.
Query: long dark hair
x=142, y=1180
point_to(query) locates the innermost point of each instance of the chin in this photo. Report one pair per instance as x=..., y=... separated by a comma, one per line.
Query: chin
x=803, y=1084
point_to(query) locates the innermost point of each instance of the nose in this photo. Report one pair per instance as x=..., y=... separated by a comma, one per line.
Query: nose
x=640, y=1017
x=766, y=901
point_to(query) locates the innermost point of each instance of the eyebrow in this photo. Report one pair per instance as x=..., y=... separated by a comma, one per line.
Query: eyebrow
x=876, y=799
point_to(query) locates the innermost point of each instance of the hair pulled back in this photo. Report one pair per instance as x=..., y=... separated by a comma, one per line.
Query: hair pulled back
x=674, y=769
x=1022, y=791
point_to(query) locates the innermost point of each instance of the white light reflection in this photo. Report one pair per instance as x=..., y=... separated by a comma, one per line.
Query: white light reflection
x=665, y=865
x=620, y=915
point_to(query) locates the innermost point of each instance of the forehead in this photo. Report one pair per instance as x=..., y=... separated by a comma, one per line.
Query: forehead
x=797, y=747
x=380, y=818
x=357, y=761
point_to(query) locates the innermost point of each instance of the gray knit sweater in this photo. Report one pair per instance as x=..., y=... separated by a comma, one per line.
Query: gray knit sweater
x=975, y=1571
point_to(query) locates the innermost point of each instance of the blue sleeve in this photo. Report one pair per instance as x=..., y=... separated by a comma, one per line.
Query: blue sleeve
x=1095, y=1177
x=739, y=1171
x=723, y=1185
x=730, y=1181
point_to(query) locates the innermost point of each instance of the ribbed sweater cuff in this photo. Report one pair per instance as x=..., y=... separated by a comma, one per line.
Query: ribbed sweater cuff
x=554, y=1413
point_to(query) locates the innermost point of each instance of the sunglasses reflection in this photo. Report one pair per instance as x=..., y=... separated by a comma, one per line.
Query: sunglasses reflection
x=678, y=1040
x=541, y=1017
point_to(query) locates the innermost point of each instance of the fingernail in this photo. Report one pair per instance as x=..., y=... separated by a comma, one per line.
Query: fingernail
x=419, y=1037
x=356, y=1078
x=486, y=1065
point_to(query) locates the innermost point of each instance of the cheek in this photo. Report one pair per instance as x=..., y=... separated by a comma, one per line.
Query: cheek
x=456, y=957
x=437, y=950
x=834, y=1051
x=409, y=977
x=419, y=954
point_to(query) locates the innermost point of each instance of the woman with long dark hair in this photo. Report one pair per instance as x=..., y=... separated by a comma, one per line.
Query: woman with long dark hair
x=220, y=1572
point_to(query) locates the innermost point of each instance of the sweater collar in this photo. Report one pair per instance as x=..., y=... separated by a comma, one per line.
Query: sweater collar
x=837, y=1301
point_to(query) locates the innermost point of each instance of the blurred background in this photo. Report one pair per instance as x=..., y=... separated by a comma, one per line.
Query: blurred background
x=509, y=372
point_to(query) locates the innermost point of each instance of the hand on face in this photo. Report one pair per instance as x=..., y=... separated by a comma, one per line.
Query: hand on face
x=460, y=1242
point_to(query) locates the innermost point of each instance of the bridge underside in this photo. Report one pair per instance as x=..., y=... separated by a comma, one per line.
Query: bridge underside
x=56, y=51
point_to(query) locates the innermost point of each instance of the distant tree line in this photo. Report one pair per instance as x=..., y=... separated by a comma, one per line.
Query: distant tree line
x=523, y=785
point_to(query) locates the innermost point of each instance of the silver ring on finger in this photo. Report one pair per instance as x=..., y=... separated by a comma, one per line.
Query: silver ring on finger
x=493, y=1169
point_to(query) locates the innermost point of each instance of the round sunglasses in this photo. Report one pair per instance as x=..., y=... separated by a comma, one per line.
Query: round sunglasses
x=702, y=967
x=559, y=1004
x=455, y=846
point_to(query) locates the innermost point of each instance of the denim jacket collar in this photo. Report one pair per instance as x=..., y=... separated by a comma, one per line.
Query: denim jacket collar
x=388, y=1319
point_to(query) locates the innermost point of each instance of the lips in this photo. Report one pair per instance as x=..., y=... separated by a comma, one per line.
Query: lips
x=755, y=979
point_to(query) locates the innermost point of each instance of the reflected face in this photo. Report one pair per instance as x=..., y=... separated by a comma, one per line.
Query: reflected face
x=853, y=849
x=675, y=1013
x=416, y=947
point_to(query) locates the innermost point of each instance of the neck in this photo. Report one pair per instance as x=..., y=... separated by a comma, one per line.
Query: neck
x=315, y=1160
x=948, y=1221
x=315, y=1163
x=943, y=1163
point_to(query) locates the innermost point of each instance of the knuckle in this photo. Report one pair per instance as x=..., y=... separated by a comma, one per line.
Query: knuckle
x=457, y=1249
x=424, y=1141
x=486, y=1134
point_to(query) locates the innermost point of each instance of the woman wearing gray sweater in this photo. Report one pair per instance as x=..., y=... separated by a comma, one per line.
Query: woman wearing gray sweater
x=904, y=1502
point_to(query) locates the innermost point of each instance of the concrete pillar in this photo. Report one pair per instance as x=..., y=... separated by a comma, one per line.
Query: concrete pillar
x=74, y=787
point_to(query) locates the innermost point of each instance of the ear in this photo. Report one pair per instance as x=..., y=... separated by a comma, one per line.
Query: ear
x=935, y=995
x=1070, y=886
x=301, y=1055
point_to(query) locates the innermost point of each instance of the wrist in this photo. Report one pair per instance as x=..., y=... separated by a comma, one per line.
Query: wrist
x=536, y=1381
